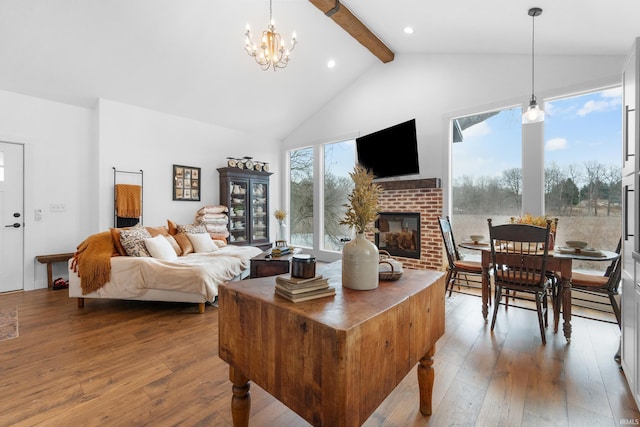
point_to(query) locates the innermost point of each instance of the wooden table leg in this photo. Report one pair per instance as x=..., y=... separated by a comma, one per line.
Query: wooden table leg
x=557, y=301
x=566, y=307
x=425, y=381
x=241, y=400
x=486, y=290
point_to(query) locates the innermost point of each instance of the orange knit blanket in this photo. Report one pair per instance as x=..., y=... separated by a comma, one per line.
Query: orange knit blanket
x=128, y=200
x=92, y=261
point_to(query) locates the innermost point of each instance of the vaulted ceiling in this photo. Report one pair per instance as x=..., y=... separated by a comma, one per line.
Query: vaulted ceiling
x=187, y=57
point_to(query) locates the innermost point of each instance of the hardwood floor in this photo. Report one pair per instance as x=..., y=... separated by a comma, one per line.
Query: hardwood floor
x=131, y=363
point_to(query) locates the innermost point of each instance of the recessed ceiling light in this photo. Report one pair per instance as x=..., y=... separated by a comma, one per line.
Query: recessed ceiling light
x=331, y=63
x=408, y=30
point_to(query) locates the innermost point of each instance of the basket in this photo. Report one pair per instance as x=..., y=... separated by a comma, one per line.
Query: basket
x=385, y=258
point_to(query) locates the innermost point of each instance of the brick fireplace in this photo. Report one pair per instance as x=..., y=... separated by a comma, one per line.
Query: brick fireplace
x=422, y=197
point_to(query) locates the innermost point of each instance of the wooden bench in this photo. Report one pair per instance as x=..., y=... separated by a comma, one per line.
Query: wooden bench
x=49, y=260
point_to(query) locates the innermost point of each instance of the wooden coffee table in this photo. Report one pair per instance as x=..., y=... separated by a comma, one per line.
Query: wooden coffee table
x=332, y=360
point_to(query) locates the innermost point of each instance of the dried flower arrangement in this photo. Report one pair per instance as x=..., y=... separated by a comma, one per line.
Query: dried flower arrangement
x=280, y=214
x=540, y=221
x=362, y=208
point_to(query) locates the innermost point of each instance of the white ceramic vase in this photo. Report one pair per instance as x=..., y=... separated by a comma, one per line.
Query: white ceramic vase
x=360, y=264
x=281, y=235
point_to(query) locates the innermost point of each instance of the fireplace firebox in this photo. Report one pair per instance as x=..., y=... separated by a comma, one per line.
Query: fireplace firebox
x=399, y=233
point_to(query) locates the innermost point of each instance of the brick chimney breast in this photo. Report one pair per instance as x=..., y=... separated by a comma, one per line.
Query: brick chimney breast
x=425, y=197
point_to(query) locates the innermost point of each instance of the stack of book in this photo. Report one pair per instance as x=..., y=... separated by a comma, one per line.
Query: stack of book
x=280, y=251
x=296, y=289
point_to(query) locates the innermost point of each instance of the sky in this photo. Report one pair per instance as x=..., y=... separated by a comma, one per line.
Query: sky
x=578, y=129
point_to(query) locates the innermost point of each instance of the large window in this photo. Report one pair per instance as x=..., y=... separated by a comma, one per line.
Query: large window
x=583, y=170
x=487, y=163
x=339, y=159
x=579, y=152
x=301, y=197
x=308, y=218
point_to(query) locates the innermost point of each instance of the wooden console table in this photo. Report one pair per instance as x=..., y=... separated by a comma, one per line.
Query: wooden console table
x=331, y=360
x=49, y=260
x=265, y=265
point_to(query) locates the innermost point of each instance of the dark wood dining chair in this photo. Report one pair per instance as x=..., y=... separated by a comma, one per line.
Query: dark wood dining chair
x=605, y=285
x=519, y=254
x=458, y=269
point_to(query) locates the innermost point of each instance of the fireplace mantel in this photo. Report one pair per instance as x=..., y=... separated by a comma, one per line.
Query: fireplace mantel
x=410, y=184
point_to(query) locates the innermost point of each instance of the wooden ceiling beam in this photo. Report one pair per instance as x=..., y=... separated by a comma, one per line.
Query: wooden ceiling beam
x=352, y=25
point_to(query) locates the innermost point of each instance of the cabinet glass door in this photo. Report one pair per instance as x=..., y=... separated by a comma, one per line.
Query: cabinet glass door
x=238, y=211
x=260, y=212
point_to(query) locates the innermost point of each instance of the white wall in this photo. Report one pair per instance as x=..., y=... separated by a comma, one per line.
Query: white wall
x=133, y=138
x=57, y=138
x=434, y=88
x=70, y=152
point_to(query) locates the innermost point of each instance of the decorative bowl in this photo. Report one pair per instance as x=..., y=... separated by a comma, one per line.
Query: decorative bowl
x=576, y=244
x=476, y=237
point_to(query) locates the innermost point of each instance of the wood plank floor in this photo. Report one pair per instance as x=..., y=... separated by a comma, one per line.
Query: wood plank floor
x=128, y=363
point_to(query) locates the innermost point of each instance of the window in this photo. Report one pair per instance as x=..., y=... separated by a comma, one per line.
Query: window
x=336, y=161
x=301, y=198
x=486, y=170
x=339, y=159
x=583, y=170
x=580, y=153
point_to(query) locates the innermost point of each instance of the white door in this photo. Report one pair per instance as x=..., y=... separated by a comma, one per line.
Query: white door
x=12, y=217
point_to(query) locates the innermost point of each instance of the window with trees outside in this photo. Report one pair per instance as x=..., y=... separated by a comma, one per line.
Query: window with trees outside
x=336, y=161
x=582, y=163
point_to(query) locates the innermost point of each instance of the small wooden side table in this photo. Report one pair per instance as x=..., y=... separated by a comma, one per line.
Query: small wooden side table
x=49, y=260
x=264, y=265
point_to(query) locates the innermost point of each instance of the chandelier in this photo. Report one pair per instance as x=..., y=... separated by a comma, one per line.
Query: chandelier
x=271, y=51
x=533, y=114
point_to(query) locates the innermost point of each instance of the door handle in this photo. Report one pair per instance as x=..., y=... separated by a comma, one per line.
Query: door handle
x=14, y=225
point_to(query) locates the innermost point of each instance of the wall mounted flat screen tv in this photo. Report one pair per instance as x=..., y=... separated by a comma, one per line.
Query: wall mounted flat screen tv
x=390, y=152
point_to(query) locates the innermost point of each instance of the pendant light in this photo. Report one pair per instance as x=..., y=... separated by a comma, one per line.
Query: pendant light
x=534, y=113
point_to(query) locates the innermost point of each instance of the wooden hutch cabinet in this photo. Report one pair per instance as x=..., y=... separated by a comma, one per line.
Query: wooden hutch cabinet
x=246, y=193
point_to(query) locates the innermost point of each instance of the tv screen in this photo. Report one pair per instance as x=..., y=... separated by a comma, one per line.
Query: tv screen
x=390, y=152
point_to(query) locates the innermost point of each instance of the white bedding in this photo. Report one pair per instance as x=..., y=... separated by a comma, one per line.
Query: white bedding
x=200, y=274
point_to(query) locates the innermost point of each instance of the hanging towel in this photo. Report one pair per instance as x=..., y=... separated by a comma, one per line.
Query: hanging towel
x=128, y=200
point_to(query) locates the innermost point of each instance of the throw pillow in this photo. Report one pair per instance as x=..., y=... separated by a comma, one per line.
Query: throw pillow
x=176, y=247
x=173, y=228
x=191, y=228
x=159, y=247
x=115, y=238
x=202, y=242
x=132, y=241
x=220, y=243
x=154, y=231
x=184, y=243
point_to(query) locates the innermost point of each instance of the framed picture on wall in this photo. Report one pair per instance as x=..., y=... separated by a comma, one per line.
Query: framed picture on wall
x=186, y=183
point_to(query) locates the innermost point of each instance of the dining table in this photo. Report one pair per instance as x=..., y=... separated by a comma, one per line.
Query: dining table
x=560, y=261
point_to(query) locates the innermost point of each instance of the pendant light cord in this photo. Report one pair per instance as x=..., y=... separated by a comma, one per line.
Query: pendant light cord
x=533, y=54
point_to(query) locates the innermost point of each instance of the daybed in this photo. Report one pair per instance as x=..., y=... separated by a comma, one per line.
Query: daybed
x=135, y=264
